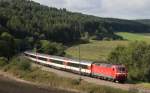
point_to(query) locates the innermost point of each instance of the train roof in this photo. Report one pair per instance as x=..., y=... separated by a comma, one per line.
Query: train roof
x=103, y=64
x=106, y=64
x=61, y=58
x=71, y=60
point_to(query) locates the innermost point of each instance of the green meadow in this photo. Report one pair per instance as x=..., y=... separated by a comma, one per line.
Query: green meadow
x=99, y=50
x=135, y=36
x=95, y=50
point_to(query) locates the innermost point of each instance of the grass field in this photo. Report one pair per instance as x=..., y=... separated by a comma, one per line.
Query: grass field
x=95, y=50
x=135, y=36
x=99, y=50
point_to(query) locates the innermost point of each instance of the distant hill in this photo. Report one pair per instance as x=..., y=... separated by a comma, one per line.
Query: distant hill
x=144, y=21
x=24, y=19
x=120, y=25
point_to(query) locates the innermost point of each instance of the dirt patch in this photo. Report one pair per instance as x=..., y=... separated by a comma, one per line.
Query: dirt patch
x=11, y=85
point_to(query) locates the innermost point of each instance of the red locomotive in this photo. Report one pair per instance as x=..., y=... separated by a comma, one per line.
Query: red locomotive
x=109, y=71
x=93, y=69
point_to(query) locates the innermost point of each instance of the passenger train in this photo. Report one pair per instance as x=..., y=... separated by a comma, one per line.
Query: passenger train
x=93, y=69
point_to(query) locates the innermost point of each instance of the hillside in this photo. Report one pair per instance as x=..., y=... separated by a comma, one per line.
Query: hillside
x=144, y=21
x=25, y=25
x=24, y=19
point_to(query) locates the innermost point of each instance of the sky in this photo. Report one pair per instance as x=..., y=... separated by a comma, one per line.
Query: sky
x=125, y=9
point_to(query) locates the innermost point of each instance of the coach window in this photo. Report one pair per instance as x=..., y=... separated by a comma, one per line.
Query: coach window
x=32, y=56
x=41, y=58
x=84, y=66
x=70, y=64
x=57, y=62
x=26, y=55
x=73, y=65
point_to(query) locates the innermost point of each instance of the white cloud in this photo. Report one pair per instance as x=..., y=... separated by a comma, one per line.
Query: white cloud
x=106, y=8
x=52, y=3
x=126, y=8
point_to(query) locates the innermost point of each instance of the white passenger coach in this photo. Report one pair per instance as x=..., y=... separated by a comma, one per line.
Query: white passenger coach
x=60, y=62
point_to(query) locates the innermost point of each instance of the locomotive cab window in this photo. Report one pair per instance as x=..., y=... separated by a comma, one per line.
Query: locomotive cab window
x=121, y=69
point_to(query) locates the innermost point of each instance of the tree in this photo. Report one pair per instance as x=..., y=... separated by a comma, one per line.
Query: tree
x=5, y=49
x=7, y=45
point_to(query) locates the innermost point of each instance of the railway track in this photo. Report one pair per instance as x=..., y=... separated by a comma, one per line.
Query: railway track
x=92, y=80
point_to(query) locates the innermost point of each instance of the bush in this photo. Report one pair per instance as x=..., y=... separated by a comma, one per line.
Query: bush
x=3, y=61
x=136, y=56
x=24, y=65
x=51, y=48
x=21, y=63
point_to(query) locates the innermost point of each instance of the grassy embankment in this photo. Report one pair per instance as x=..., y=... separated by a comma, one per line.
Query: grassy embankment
x=9, y=85
x=21, y=68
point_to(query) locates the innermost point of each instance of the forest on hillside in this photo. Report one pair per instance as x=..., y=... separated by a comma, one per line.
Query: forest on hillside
x=25, y=25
